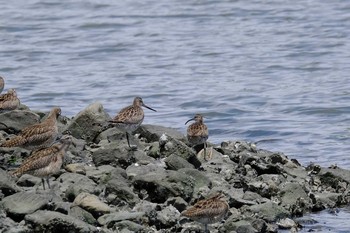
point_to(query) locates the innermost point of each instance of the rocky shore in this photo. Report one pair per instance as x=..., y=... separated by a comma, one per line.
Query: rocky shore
x=106, y=187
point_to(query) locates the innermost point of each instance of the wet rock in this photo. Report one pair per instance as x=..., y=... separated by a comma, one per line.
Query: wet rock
x=22, y=203
x=50, y=221
x=241, y=226
x=89, y=122
x=92, y=204
x=286, y=223
x=294, y=197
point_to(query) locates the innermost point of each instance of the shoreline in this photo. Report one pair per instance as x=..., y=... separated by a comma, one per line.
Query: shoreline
x=103, y=186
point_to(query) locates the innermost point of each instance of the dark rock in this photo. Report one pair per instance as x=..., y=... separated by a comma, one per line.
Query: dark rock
x=7, y=184
x=109, y=220
x=17, y=120
x=269, y=211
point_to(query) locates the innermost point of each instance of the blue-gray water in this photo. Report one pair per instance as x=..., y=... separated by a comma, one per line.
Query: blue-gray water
x=271, y=71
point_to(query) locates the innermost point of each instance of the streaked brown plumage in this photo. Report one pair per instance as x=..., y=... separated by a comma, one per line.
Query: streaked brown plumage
x=9, y=101
x=197, y=132
x=45, y=162
x=2, y=84
x=37, y=136
x=130, y=117
x=208, y=211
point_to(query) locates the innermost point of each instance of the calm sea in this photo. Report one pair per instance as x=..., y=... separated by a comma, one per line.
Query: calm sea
x=273, y=72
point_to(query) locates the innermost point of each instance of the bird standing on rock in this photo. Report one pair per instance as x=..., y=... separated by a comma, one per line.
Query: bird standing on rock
x=45, y=162
x=197, y=132
x=130, y=117
x=208, y=211
x=37, y=136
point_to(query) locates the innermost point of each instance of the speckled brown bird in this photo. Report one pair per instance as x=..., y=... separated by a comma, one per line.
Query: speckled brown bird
x=37, y=136
x=9, y=101
x=45, y=162
x=2, y=84
x=197, y=132
x=208, y=211
x=130, y=117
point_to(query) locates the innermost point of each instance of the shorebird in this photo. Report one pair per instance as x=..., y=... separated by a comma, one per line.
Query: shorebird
x=37, y=136
x=197, y=132
x=45, y=162
x=208, y=211
x=2, y=84
x=130, y=117
x=9, y=101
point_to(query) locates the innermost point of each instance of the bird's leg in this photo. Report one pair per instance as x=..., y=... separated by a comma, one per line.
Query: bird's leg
x=205, y=151
x=127, y=138
x=42, y=180
x=48, y=183
x=206, y=228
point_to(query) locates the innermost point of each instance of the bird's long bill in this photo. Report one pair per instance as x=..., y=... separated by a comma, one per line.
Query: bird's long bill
x=189, y=120
x=149, y=108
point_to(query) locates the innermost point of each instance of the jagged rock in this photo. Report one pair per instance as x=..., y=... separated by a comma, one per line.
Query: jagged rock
x=167, y=217
x=92, y=204
x=54, y=222
x=96, y=173
x=286, y=223
x=292, y=194
x=88, y=123
x=22, y=203
x=128, y=226
x=112, y=134
x=241, y=226
x=179, y=203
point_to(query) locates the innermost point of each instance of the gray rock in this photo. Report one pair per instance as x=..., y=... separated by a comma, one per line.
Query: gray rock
x=110, y=219
x=83, y=215
x=175, y=162
x=167, y=217
x=18, y=119
x=89, y=122
x=167, y=184
x=27, y=180
x=139, y=170
x=111, y=135
x=171, y=146
x=120, y=190
x=241, y=226
x=201, y=180
x=124, y=225
x=72, y=184
x=23, y=203
x=292, y=193
x=54, y=222
x=269, y=211
x=7, y=184
x=96, y=173
x=113, y=154
x=153, y=132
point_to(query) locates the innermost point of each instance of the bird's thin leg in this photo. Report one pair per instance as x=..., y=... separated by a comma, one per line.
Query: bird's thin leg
x=48, y=183
x=206, y=228
x=205, y=151
x=127, y=138
x=42, y=180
